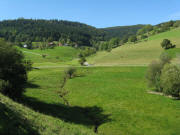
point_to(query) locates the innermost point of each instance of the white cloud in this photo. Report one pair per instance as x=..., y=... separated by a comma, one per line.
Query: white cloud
x=175, y=16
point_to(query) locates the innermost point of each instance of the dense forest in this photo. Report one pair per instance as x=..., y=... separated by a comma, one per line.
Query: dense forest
x=21, y=30
x=121, y=31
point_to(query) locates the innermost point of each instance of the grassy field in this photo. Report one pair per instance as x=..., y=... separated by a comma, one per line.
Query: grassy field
x=113, y=99
x=141, y=53
x=57, y=56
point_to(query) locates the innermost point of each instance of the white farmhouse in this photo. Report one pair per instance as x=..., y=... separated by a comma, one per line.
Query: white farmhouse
x=86, y=64
x=25, y=46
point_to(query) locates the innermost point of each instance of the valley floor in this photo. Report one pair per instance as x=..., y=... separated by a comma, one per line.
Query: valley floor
x=112, y=99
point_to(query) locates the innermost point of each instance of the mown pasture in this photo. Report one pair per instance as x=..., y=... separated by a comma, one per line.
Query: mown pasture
x=112, y=99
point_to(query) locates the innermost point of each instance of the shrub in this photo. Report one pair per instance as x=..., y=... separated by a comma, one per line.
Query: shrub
x=153, y=75
x=165, y=58
x=132, y=39
x=28, y=65
x=82, y=60
x=70, y=72
x=87, y=51
x=12, y=71
x=29, y=44
x=170, y=80
x=154, y=71
x=44, y=55
x=57, y=57
x=19, y=44
x=166, y=44
x=144, y=36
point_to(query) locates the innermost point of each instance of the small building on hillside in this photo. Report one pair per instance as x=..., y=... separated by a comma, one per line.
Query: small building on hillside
x=86, y=64
x=25, y=45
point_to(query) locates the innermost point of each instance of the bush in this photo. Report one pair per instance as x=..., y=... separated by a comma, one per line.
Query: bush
x=165, y=58
x=13, y=72
x=70, y=72
x=166, y=44
x=57, y=57
x=153, y=75
x=144, y=36
x=154, y=71
x=132, y=39
x=170, y=80
x=44, y=55
x=29, y=44
x=28, y=65
x=87, y=51
x=82, y=60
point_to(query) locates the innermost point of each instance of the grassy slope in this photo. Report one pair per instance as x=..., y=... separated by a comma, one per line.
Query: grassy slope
x=138, y=54
x=64, y=54
x=116, y=97
x=16, y=119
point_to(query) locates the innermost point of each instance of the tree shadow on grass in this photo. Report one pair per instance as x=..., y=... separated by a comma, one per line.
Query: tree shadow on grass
x=12, y=123
x=30, y=84
x=88, y=116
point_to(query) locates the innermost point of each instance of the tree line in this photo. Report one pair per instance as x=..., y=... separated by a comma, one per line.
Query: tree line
x=77, y=34
x=23, y=30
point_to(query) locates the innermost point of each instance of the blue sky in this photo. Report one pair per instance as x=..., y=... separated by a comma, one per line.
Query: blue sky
x=98, y=13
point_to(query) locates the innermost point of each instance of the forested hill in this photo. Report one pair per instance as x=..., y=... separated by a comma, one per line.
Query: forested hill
x=74, y=33
x=21, y=30
x=121, y=31
x=25, y=30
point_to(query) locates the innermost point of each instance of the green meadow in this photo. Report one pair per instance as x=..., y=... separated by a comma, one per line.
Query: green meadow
x=113, y=98
x=54, y=57
x=108, y=98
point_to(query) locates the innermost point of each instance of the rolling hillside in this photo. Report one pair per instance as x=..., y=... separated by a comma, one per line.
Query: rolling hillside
x=16, y=119
x=99, y=97
x=141, y=53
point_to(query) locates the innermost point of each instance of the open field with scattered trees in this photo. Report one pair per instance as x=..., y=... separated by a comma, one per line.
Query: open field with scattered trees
x=141, y=53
